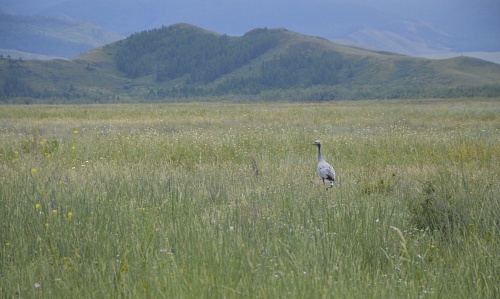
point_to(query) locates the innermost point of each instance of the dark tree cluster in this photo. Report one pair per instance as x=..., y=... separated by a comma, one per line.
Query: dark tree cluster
x=292, y=70
x=172, y=52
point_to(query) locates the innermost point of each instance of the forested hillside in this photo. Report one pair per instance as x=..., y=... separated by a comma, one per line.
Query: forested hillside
x=180, y=62
x=202, y=57
x=172, y=52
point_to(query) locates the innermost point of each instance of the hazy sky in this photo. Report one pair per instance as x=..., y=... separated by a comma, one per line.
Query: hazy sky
x=281, y=12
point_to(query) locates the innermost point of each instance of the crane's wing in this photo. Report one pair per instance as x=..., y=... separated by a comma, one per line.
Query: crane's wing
x=326, y=171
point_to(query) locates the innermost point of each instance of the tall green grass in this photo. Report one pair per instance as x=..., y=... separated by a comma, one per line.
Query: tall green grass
x=222, y=200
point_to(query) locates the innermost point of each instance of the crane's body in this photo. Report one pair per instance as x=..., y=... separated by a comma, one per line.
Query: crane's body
x=325, y=170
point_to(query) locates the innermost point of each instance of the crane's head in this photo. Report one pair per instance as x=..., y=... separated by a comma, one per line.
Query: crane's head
x=317, y=143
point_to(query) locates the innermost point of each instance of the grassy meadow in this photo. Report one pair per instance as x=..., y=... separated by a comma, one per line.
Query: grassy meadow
x=223, y=201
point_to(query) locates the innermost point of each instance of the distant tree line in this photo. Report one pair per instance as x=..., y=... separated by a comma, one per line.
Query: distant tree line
x=15, y=89
x=323, y=92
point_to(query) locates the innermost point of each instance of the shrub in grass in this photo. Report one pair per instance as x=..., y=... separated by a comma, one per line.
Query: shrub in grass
x=434, y=210
x=452, y=211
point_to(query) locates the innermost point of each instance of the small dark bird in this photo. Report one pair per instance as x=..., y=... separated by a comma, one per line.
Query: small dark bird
x=325, y=170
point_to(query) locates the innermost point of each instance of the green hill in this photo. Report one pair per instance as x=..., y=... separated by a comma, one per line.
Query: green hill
x=184, y=61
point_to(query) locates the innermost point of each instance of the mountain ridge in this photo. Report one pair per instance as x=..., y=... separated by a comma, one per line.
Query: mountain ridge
x=407, y=27
x=183, y=61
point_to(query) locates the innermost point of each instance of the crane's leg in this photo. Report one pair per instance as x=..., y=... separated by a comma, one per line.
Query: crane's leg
x=331, y=186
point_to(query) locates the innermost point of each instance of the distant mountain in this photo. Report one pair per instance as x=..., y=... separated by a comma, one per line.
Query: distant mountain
x=44, y=37
x=184, y=61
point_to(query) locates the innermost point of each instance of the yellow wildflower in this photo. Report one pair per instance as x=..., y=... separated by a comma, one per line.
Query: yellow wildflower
x=54, y=212
x=33, y=170
x=70, y=215
x=38, y=206
x=73, y=148
x=75, y=132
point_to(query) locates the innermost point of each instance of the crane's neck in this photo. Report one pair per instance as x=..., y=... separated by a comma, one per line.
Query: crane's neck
x=320, y=157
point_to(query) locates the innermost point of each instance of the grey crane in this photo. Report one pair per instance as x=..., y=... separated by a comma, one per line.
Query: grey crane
x=325, y=170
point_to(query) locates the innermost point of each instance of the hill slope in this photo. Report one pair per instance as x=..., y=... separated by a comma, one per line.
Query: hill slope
x=182, y=61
